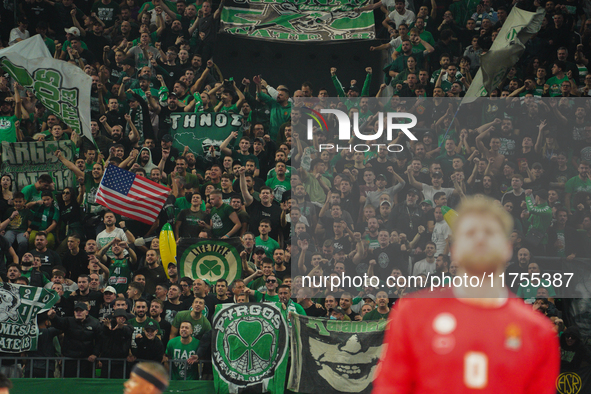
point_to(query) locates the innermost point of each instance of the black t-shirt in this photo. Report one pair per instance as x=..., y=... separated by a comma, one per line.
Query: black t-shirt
x=170, y=310
x=49, y=259
x=258, y=211
x=4, y=256
x=75, y=265
x=387, y=259
x=315, y=311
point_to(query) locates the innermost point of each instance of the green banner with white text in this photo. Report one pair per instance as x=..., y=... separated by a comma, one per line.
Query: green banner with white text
x=204, y=132
x=18, y=316
x=25, y=161
x=304, y=20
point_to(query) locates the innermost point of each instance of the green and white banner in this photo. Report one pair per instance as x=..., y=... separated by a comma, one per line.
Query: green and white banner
x=333, y=356
x=202, y=130
x=63, y=88
x=25, y=161
x=307, y=20
x=209, y=259
x=18, y=315
x=249, y=348
x=505, y=51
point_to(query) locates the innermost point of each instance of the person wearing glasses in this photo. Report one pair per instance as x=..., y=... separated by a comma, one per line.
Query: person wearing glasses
x=269, y=295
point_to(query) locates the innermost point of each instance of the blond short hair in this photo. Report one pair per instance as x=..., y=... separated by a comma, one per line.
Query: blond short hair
x=485, y=206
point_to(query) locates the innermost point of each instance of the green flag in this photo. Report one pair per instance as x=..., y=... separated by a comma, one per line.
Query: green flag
x=332, y=20
x=209, y=259
x=202, y=130
x=249, y=348
x=18, y=315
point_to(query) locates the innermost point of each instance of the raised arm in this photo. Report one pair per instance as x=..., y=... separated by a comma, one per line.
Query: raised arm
x=248, y=199
x=71, y=166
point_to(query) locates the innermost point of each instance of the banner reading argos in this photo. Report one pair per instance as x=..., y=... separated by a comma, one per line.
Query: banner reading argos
x=27, y=160
x=18, y=316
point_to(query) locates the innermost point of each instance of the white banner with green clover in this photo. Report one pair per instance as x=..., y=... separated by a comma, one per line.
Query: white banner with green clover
x=61, y=87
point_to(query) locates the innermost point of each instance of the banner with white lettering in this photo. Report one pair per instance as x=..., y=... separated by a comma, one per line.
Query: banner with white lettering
x=18, y=315
x=27, y=160
x=204, y=132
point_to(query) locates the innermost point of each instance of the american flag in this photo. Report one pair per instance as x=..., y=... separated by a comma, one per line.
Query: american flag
x=131, y=195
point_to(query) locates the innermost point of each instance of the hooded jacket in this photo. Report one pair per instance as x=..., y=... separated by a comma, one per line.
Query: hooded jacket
x=81, y=338
x=149, y=165
x=571, y=356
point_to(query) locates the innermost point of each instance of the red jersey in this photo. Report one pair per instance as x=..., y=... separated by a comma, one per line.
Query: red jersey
x=449, y=346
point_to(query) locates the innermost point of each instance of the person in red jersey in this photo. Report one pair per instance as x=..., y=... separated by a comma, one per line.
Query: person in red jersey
x=473, y=340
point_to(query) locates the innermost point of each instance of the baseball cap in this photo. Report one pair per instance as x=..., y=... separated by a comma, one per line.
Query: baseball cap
x=437, y=174
x=304, y=236
x=385, y=203
x=110, y=289
x=258, y=139
x=537, y=165
x=353, y=88
x=73, y=30
x=370, y=296
x=129, y=61
x=381, y=176
x=150, y=326
x=412, y=190
x=143, y=77
x=428, y=202
x=81, y=305
x=167, y=138
x=259, y=249
x=121, y=312
x=337, y=309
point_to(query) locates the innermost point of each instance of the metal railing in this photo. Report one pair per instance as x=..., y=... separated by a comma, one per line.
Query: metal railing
x=27, y=367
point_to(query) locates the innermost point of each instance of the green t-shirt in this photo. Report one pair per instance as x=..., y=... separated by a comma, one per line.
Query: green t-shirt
x=279, y=187
x=200, y=326
x=574, y=185
x=236, y=155
x=91, y=188
x=8, y=128
x=259, y=284
x=269, y=245
x=46, y=220
x=555, y=84
x=190, y=226
x=230, y=109
x=220, y=220
x=258, y=297
x=529, y=292
x=375, y=315
x=119, y=275
x=176, y=350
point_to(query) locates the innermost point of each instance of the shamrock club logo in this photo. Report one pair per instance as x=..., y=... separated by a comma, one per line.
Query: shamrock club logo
x=211, y=260
x=250, y=342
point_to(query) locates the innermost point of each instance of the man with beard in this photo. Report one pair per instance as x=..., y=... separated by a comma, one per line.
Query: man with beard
x=32, y=273
x=266, y=208
x=184, y=347
x=279, y=183
x=221, y=292
x=309, y=307
x=408, y=216
x=9, y=116
x=488, y=326
x=140, y=320
x=386, y=256
x=118, y=136
x=49, y=258
x=85, y=295
x=236, y=204
x=153, y=272
x=13, y=273
x=224, y=222
x=173, y=304
x=156, y=311
x=382, y=311
x=81, y=340
x=195, y=317
x=282, y=267
x=270, y=292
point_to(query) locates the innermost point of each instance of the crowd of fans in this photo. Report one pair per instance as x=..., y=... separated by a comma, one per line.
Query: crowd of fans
x=299, y=210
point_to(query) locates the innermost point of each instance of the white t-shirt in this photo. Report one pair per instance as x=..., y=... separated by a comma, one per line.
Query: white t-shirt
x=16, y=34
x=441, y=232
x=429, y=191
x=391, y=4
x=408, y=17
x=104, y=238
x=423, y=267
